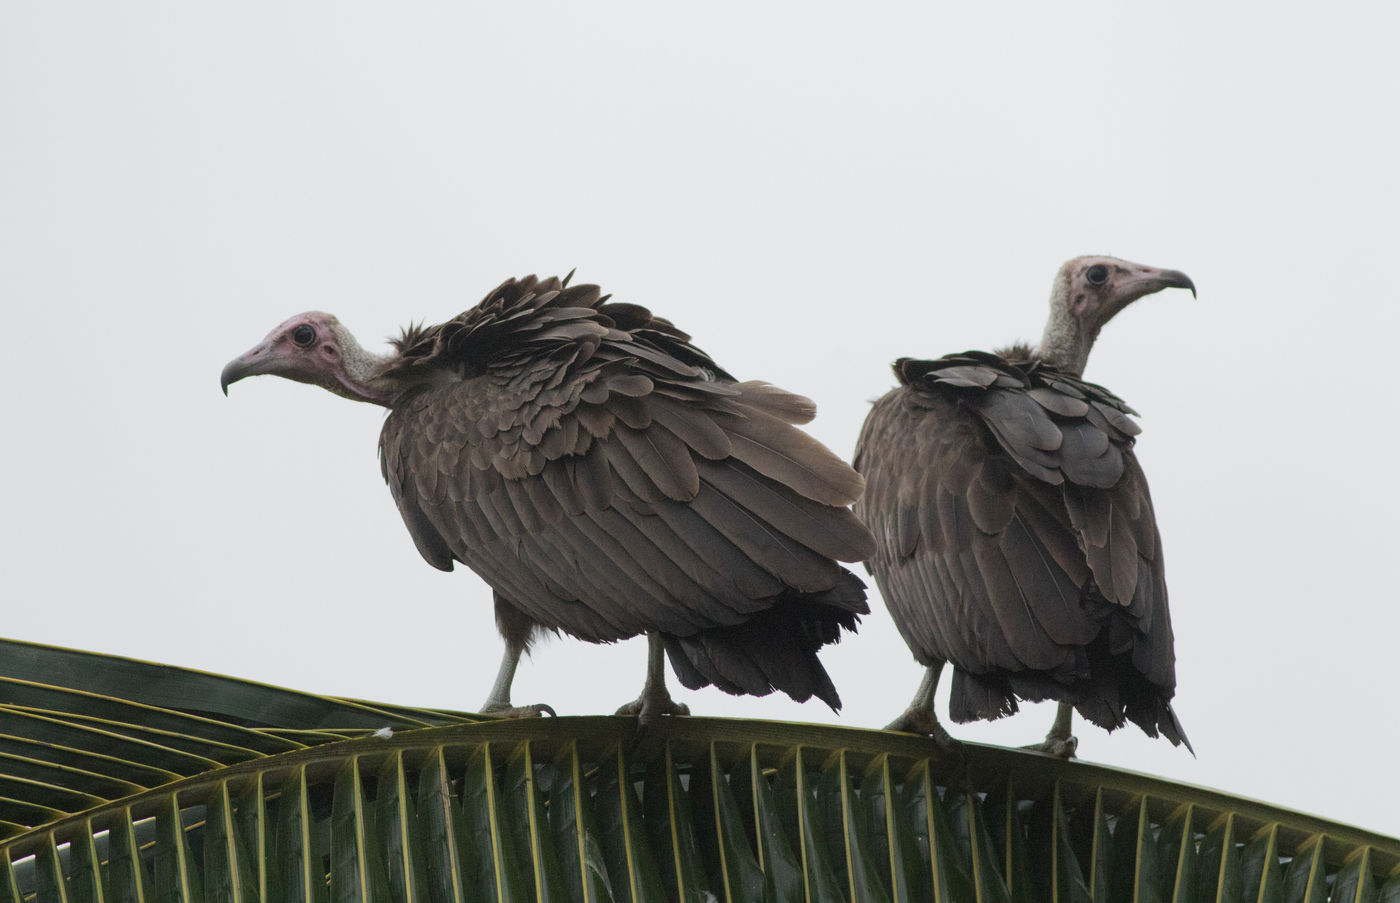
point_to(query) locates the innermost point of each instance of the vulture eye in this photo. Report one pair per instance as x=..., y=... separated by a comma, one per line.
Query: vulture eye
x=303, y=335
x=1097, y=274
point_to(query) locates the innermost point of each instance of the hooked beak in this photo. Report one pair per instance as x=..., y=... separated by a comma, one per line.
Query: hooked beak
x=1177, y=279
x=1138, y=282
x=1150, y=279
x=256, y=360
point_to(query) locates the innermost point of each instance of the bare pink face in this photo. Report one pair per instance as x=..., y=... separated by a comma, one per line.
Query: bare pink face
x=306, y=348
x=1100, y=287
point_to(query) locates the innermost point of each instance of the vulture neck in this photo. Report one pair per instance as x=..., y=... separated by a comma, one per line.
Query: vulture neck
x=362, y=375
x=1068, y=338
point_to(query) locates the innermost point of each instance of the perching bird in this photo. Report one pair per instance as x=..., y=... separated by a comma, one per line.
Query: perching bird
x=607, y=479
x=1013, y=528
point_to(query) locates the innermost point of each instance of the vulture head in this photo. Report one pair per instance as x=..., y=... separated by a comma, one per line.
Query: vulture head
x=314, y=348
x=1090, y=291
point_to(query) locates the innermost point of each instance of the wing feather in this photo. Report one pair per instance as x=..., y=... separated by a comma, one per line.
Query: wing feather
x=780, y=403
x=1010, y=600
x=791, y=562
x=791, y=457
x=695, y=427
x=796, y=516
x=749, y=576
x=663, y=457
x=719, y=586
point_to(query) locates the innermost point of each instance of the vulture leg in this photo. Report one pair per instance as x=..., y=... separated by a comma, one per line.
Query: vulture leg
x=516, y=630
x=655, y=700
x=919, y=718
x=498, y=703
x=1059, y=742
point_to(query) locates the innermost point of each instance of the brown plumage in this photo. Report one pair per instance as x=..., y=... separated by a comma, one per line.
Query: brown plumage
x=607, y=479
x=1015, y=536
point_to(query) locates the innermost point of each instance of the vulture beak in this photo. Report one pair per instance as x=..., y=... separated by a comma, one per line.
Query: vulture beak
x=1177, y=279
x=252, y=362
x=1147, y=280
x=1134, y=281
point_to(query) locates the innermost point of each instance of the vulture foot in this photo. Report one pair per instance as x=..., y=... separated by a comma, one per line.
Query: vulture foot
x=922, y=720
x=1060, y=748
x=655, y=700
x=651, y=706
x=1060, y=742
x=506, y=710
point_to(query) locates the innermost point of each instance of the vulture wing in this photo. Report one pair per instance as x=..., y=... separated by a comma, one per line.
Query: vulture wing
x=1016, y=539
x=608, y=479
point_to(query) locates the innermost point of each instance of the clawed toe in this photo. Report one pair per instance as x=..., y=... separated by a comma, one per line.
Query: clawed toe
x=503, y=710
x=1060, y=748
x=648, y=710
x=917, y=721
x=920, y=720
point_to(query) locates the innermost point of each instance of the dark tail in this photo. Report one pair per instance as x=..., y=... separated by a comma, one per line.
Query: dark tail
x=1110, y=700
x=776, y=649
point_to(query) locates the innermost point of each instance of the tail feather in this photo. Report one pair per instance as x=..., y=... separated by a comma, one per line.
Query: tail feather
x=1110, y=698
x=776, y=649
x=1159, y=717
x=980, y=697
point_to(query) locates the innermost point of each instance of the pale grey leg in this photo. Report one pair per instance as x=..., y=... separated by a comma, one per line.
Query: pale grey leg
x=498, y=703
x=1059, y=742
x=655, y=700
x=919, y=718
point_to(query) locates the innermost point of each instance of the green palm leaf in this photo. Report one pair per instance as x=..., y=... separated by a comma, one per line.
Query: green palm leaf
x=166, y=796
x=397, y=816
x=126, y=868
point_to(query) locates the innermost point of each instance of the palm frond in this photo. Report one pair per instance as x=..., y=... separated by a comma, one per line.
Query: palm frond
x=581, y=809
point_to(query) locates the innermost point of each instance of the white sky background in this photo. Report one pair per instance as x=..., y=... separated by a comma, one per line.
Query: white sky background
x=811, y=191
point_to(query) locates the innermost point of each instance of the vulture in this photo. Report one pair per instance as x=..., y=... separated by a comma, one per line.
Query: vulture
x=1014, y=532
x=607, y=479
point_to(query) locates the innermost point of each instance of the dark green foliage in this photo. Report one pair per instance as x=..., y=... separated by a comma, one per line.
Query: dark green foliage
x=577, y=810
x=447, y=815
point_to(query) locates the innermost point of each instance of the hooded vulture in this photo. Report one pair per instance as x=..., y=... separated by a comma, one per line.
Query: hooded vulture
x=606, y=478
x=1014, y=533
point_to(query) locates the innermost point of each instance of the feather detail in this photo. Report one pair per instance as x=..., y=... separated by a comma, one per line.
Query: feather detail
x=1015, y=538
x=791, y=457
x=607, y=478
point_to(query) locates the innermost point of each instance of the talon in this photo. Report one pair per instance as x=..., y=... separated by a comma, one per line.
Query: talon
x=920, y=720
x=1054, y=746
x=647, y=709
x=503, y=710
x=655, y=700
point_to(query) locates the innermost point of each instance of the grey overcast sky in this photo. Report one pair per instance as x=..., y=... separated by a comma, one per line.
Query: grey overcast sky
x=810, y=189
